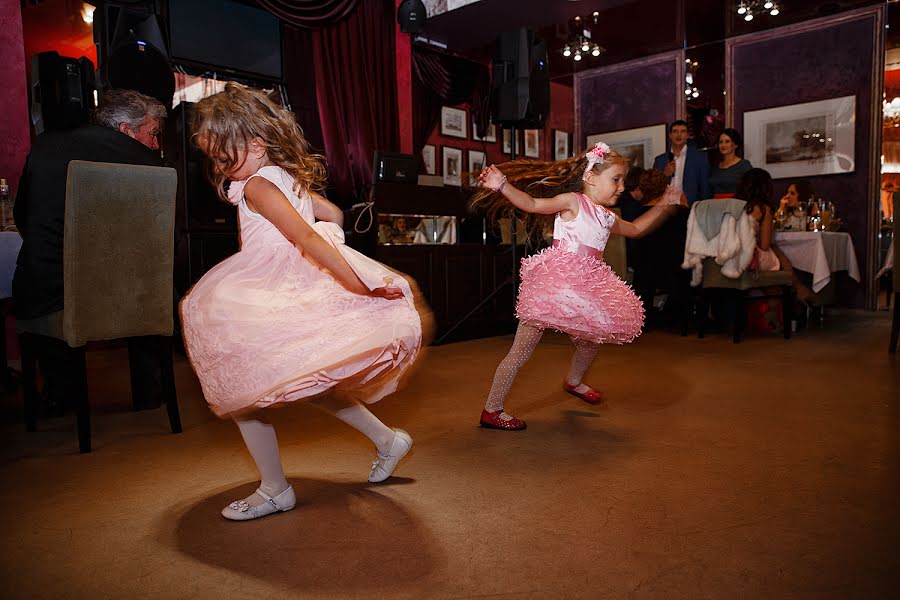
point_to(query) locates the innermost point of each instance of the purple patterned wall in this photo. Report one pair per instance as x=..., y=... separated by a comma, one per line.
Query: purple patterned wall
x=816, y=65
x=636, y=96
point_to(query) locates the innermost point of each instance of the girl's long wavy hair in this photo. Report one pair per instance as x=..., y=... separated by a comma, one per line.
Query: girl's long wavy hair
x=539, y=180
x=225, y=123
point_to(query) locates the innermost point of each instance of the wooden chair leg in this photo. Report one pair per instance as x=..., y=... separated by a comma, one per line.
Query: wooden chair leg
x=895, y=325
x=740, y=317
x=702, y=311
x=29, y=380
x=82, y=404
x=168, y=381
x=787, y=302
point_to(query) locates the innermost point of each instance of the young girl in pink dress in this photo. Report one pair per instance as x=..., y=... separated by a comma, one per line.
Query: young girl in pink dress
x=295, y=313
x=567, y=287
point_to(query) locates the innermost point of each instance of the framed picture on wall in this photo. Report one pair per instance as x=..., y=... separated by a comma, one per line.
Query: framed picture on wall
x=428, y=158
x=813, y=138
x=453, y=122
x=452, y=165
x=533, y=143
x=476, y=165
x=507, y=145
x=490, y=135
x=640, y=146
x=561, y=147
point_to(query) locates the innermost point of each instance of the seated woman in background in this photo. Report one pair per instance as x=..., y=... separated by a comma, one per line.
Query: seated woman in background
x=798, y=191
x=656, y=257
x=724, y=177
x=755, y=187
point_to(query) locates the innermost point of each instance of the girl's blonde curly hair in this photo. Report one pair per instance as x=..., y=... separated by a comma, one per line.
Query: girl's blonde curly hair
x=539, y=180
x=225, y=123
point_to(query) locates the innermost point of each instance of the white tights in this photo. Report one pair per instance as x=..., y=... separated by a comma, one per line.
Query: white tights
x=526, y=340
x=259, y=436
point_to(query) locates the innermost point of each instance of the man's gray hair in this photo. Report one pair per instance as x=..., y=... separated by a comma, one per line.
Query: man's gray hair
x=129, y=107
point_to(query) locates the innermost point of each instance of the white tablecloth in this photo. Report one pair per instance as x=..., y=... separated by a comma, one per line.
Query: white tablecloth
x=820, y=253
x=10, y=242
x=888, y=261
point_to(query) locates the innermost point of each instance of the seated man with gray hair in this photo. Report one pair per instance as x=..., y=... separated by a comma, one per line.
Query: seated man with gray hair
x=125, y=130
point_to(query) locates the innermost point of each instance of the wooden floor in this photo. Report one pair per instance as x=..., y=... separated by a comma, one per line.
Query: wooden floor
x=770, y=469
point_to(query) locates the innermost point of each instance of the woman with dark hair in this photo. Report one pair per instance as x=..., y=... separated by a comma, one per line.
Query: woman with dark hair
x=723, y=178
x=798, y=191
x=755, y=187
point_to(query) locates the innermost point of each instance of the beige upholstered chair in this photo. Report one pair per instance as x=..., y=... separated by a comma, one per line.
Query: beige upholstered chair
x=117, y=275
x=895, y=324
x=738, y=290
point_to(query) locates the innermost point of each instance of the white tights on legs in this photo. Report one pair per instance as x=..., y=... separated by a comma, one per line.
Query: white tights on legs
x=259, y=436
x=585, y=353
x=352, y=412
x=527, y=338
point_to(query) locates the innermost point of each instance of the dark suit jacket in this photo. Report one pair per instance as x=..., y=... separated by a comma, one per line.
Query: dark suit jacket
x=695, y=183
x=41, y=203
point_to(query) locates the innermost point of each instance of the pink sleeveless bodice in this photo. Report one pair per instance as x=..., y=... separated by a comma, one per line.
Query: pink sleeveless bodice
x=590, y=228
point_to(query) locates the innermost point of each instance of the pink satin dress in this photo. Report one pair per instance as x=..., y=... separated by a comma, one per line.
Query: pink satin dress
x=266, y=326
x=569, y=288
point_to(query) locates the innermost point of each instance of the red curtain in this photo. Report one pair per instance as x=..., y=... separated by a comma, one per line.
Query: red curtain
x=356, y=88
x=309, y=13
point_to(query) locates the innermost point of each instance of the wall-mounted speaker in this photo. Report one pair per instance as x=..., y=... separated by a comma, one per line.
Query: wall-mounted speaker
x=62, y=91
x=520, y=80
x=411, y=16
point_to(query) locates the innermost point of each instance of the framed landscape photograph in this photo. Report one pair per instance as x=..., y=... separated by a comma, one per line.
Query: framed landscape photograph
x=561, y=148
x=640, y=146
x=428, y=159
x=476, y=165
x=453, y=122
x=490, y=135
x=533, y=143
x=452, y=166
x=813, y=138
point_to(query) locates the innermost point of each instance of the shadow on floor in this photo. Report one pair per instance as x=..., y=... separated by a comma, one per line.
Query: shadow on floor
x=339, y=537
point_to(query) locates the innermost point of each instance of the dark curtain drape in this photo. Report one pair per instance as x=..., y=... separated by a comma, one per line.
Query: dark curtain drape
x=356, y=88
x=300, y=81
x=445, y=80
x=310, y=14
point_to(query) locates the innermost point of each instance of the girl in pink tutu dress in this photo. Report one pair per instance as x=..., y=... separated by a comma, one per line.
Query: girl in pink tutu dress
x=295, y=313
x=567, y=287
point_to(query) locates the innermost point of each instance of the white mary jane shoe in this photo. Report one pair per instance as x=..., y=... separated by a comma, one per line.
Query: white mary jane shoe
x=385, y=464
x=239, y=510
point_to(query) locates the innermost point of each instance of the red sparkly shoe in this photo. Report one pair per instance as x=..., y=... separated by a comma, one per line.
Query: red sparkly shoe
x=492, y=420
x=591, y=396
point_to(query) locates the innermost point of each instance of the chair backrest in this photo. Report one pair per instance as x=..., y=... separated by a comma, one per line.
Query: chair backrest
x=896, y=202
x=614, y=254
x=119, y=247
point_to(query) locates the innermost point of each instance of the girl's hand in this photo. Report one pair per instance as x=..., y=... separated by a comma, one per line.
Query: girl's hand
x=491, y=178
x=390, y=293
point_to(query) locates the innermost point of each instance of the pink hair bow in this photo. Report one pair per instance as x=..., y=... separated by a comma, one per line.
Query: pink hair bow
x=596, y=155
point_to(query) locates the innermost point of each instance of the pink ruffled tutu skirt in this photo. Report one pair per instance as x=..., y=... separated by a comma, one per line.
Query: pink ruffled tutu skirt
x=578, y=295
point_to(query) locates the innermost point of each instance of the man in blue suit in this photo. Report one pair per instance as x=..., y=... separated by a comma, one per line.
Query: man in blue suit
x=688, y=167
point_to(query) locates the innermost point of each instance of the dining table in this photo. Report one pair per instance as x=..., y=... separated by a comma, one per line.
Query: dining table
x=820, y=253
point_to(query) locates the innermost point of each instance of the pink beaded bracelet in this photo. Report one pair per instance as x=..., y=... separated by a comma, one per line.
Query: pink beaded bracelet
x=499, y=189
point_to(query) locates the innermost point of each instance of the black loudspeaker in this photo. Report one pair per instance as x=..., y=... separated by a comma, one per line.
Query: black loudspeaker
x=396, y=168
x=520, y=81
x=411, y=16
x=62, y=91
x=134, y=55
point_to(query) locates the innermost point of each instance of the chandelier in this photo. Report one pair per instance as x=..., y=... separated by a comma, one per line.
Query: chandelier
x=580, y=43
x=690, y=71
x=749, y=8
x=891, y=112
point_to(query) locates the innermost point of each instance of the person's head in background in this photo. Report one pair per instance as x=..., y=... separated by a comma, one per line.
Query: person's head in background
x=678, y=135
x=730, y=144
x=138, y=116
x=755, y=188
x=653, y=184
x=632, y=183
x=798, y=191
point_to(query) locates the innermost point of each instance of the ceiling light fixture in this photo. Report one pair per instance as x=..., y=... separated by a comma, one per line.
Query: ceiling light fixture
x=752, y=8
x=580, y=43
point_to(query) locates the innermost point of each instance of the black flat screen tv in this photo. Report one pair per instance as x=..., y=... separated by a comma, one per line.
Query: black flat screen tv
x=226, y=35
